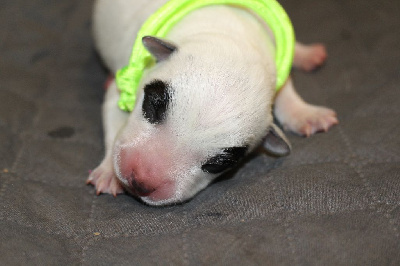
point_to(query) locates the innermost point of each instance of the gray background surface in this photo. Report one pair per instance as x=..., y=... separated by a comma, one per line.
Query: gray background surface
x=334, y=201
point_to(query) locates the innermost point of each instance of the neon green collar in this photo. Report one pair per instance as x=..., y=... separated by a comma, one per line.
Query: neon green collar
x=161, y=22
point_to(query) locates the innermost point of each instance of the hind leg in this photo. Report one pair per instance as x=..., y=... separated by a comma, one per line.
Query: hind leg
x=309, y=57
x=302, y=118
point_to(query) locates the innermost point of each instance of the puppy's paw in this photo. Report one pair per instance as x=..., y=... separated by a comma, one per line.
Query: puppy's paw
x=308, y=119
x=105, y=181
x=309, y=57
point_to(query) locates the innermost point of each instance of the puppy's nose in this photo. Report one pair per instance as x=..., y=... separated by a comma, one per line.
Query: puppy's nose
x=141, y=189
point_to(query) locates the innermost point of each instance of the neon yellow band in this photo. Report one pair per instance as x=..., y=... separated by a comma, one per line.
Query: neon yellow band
x=161, y=22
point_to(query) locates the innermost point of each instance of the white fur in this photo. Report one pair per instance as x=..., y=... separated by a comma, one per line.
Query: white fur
x=223, y=82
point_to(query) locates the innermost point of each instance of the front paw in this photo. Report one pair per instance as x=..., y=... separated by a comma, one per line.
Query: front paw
x=308, y=119
x=105, y=180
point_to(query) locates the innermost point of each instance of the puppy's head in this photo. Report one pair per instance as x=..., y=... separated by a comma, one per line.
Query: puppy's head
x=201, y=110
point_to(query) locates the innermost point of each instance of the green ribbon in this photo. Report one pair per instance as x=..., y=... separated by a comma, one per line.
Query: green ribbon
x=161, y=22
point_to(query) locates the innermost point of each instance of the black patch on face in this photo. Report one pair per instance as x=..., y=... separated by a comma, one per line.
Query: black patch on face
x=225, y=160
x=156, y=101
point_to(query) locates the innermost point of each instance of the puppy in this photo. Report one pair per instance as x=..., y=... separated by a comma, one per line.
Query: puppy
x=205, y=105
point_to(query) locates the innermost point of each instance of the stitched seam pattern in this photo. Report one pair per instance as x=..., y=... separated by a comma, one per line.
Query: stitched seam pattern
x=374, y=204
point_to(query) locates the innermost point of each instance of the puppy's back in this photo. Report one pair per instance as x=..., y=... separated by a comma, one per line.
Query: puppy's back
x=115, y=24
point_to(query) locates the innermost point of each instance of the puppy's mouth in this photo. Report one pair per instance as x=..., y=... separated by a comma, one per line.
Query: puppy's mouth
x=162, y=194
x=139, y=189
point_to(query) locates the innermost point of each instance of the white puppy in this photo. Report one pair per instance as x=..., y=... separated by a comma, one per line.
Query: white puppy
x=205, y=105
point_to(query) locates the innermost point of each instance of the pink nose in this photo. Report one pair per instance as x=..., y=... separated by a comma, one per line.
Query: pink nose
x=147, y=176
x=153, y=189
x=140, y=189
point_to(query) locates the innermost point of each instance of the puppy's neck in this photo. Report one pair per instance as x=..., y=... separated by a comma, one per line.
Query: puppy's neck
x=231, y=29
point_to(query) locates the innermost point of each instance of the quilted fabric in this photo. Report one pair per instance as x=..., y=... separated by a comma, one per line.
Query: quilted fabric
x=334, y=201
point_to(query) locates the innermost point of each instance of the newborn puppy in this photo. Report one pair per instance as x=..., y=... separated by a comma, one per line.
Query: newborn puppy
x=205, y=105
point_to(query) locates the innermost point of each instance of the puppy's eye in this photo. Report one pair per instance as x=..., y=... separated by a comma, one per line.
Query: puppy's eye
x=225, y=160
x=156, y=101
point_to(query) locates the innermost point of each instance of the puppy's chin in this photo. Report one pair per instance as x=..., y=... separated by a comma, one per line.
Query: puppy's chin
x=168, y=197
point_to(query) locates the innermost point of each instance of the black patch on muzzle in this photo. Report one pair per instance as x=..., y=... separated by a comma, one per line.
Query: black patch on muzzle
x=225, y=160
x=156, y=101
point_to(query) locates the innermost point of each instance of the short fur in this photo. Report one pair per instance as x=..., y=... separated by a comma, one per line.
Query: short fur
x=222, y=86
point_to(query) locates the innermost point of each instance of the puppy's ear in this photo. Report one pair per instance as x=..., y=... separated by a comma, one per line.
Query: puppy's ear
x=159, y=48
x=276, y=143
